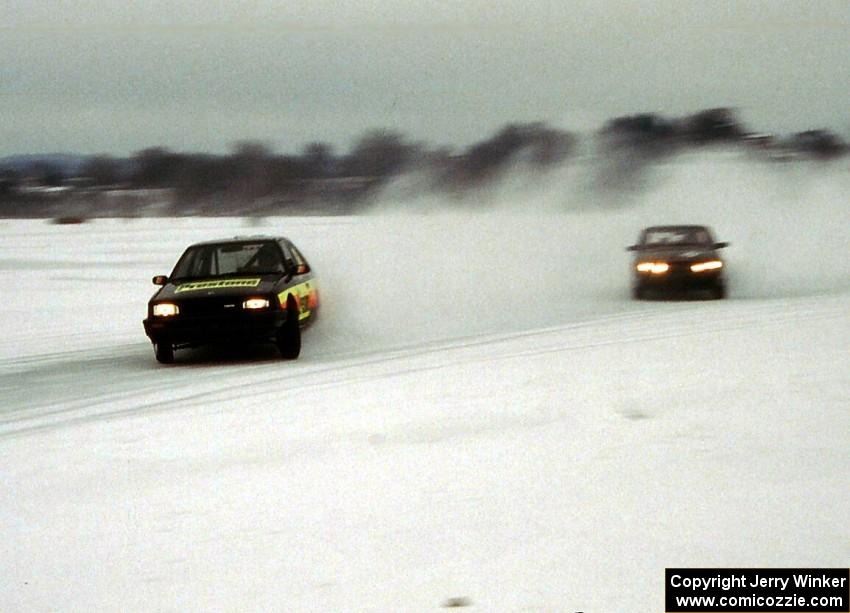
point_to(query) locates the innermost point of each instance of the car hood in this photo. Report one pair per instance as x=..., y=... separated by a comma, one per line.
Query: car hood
x=243, y=285
x=679, y=254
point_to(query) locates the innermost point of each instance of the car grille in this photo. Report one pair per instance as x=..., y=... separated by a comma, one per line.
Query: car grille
x=679, y=268
x=214, y=306
x=681, y=271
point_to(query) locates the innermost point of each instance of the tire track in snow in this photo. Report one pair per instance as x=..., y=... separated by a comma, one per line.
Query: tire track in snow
x=222, y=383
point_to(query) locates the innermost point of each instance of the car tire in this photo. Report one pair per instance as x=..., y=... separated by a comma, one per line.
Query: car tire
x=639, y=293
x=289, y=335
x=164, y=352
x=718, y=292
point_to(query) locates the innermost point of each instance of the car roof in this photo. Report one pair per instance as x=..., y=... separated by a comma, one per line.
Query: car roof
x=685, y=228
x=241, y=239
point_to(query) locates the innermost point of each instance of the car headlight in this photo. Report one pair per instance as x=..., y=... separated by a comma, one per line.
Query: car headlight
x=710, y=265
x=656, y=268
x=256, y=303
x=165, y=309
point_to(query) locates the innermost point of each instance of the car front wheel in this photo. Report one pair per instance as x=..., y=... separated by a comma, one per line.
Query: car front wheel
x=289, y=335
x=164, y=352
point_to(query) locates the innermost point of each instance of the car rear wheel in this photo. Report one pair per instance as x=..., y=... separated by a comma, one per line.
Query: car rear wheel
x=164, y=352
x=289, y=335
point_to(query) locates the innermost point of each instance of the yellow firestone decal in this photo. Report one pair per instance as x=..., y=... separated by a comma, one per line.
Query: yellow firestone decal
x=301, y=291
x=199, y=285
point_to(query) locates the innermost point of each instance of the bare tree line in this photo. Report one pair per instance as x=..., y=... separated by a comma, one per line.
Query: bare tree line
x=253, y=179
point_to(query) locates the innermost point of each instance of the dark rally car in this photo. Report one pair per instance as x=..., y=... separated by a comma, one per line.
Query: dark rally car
x=234, y=291
x=677, y=258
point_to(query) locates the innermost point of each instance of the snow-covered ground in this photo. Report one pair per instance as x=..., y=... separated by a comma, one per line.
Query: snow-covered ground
x=481, y=412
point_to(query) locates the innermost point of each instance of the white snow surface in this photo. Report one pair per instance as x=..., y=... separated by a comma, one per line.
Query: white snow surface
x=480, y=413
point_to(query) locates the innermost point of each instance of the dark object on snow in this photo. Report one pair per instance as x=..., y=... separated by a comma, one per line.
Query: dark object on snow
x=69, y=220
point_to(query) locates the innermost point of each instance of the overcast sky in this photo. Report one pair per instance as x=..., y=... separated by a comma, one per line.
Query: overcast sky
x=112, y=76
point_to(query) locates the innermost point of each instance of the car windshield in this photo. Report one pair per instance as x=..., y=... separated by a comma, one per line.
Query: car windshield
x=227, y=259
x=676, y=236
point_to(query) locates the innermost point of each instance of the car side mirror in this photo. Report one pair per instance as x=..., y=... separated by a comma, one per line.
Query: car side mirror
x=721, y=245
x=160, y=280
x=302, y=269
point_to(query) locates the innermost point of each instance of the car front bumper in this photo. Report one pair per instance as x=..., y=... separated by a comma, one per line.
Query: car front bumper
x=233, y=328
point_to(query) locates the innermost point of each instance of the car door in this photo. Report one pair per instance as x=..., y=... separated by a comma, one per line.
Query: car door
x=302, y=282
